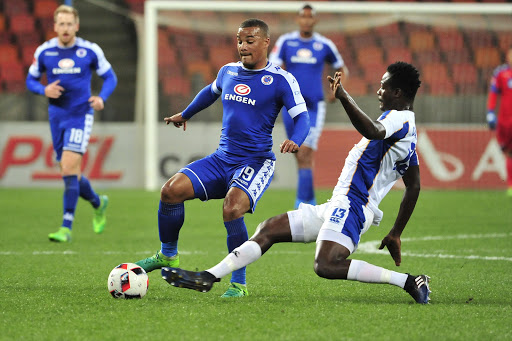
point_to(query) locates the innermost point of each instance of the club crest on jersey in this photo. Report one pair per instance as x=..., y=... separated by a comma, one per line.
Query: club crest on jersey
x=242, y=89
x=66, y=66
x=318, y=46
x=81, y=52
x=267, y=79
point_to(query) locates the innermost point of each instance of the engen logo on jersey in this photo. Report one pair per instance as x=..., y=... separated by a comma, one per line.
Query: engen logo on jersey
x=241, y=90
x=66, y=66
x=304, y=56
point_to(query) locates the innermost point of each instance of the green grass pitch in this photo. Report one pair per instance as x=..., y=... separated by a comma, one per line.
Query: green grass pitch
x=49, y=291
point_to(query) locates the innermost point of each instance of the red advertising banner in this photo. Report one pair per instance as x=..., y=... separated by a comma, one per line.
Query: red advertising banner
x=465, y=158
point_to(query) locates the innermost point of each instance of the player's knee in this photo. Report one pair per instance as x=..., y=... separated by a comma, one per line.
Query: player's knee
x=232, y=212
x=175, y=191
x=321, y=267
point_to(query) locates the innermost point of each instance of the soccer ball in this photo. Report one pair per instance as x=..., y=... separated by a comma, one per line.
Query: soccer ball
x=128, y=280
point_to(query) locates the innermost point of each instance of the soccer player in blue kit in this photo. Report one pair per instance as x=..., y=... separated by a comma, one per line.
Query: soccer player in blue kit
x=253, y=91
x=68, y=62
x=386, y=153
x=304, y=54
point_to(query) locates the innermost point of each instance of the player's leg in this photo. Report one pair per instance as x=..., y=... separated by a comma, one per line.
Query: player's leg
x=171, y=215
x=338, y=239
x=70, y=170
x=504, y=137
x=305, y=156
x=247, y=185
x=300, y=226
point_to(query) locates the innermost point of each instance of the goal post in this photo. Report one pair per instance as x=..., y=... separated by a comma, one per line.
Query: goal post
x=355, y=16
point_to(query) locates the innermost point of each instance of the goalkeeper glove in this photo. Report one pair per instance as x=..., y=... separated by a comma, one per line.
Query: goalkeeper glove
x=491, y=119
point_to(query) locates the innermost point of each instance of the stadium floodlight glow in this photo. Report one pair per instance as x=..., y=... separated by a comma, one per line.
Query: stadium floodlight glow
x=396, y=11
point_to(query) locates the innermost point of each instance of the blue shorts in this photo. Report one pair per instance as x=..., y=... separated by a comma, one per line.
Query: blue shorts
x=212, y=177
x=71, y=134
x=316, y=113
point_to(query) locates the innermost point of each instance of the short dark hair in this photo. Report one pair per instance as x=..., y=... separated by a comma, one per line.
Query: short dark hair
x=253, y=22
x=305, y=7
x=406, y=77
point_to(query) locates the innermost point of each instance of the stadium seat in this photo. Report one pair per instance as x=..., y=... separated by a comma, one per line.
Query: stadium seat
x=461, y=55
x=22, y=23
x=357, y=86
x=487, y=57
x=450, y=40
x=478, y=39
x=14, y=7
x=27, y=54
x=202, y=69
x=393, y=41
x=8, y=53
x=363, y=40
x=28, y=38
x=221, y=55
x=504, y=41
x=424, y=57
x=13, y=76
x=176, y=86
x=398, y=54
x=464, y=74
x=45, y=8
x=2, y=23
x=421, y=41
x=369, y=55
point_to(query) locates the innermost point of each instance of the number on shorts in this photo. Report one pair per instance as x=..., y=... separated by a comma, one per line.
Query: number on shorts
x=248, y=173
x=76, y=135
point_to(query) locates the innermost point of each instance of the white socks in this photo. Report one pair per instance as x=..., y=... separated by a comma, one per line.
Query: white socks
x=364, y=272
x=243, y=255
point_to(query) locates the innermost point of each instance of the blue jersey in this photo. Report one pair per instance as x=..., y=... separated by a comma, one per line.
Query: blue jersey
x=305, y=59
x=73, y=66
x=252, y=100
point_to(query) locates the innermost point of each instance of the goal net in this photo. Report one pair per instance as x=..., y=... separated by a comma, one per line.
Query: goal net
x=454, y=45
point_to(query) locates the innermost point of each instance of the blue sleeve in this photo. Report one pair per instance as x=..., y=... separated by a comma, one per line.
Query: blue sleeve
x=109, y=84
x=34, y=85
x=300, y=128
x=203, y=100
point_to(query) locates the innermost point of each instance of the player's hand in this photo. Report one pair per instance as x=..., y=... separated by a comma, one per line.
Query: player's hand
x=394, y=247
x=335, y=84
x=288, y=146
x=177, y=120
x=491, y=119
x=53, y=90
x=96, y=103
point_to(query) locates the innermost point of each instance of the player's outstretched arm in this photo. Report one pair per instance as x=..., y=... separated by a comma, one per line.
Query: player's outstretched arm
x=177, y=120
x=372, y=130
x=412, y=191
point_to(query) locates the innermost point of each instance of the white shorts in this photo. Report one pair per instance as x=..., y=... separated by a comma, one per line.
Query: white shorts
x=335, y=221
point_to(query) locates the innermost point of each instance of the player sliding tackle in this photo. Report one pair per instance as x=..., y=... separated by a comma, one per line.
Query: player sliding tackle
x=386, y=153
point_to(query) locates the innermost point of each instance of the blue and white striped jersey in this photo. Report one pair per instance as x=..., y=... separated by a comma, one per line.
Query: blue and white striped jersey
x=373, y=166
x=305, y=59
x=252, y=100
x=73, y=66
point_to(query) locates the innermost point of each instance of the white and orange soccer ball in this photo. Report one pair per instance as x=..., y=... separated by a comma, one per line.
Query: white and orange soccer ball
x=128, y=280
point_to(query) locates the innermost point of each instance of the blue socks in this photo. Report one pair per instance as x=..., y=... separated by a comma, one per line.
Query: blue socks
x=237, y=235
x=305, y=188
x=69, y=200
x=88, y=193
x=170, y=221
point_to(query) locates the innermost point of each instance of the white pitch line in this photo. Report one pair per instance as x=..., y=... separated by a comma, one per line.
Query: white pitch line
x=372, y=246
x=369, y=247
